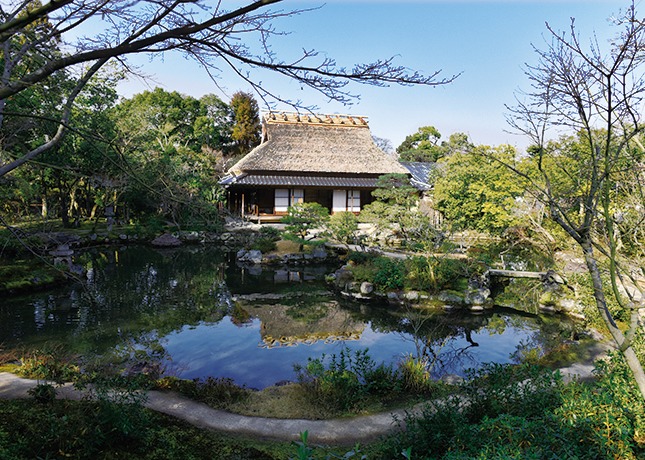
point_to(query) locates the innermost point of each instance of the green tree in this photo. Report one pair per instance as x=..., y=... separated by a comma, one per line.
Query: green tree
x=302, y=220
x=213, y=128
x=343, y=227
x=171, y=173
x=474, y=192
x=395, y=210
x=421, y=146
x=396, y=189
x=582, y=89
x=247, y=128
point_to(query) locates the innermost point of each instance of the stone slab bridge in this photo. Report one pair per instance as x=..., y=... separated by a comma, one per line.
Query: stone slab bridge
x=553, y=298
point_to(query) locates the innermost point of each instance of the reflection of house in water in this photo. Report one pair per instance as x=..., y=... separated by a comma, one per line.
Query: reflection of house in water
x=286, y=276
x=307, y=322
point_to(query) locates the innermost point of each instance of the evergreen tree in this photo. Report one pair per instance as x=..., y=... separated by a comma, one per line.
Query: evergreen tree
x=247, y=128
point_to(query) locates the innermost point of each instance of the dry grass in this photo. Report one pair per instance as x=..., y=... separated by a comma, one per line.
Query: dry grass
x=288, y=401
x=285, y=247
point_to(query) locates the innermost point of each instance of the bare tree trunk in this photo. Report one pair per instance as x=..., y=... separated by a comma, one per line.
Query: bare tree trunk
x=601, y=304
x=43, y=209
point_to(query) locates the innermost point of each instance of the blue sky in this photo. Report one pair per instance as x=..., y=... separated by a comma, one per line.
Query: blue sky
x=487, y=41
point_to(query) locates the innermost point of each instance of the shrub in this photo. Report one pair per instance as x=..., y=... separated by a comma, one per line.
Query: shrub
x=415, y=374
x=433, y=273
x=390, y=273
x=343, y=227
x=527, y=412
x=264, y=244
x=43, y=393
x=271, y=233
x=360, y=258
x=344, y=382
x=302, y=219
x=48, y=364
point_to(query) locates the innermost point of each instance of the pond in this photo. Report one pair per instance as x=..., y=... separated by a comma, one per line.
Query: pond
x=194, y=313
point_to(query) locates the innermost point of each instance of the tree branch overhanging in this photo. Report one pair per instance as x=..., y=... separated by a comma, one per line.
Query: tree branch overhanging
x=116, y=30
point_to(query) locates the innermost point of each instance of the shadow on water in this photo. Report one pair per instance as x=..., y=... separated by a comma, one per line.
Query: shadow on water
x=193, y=312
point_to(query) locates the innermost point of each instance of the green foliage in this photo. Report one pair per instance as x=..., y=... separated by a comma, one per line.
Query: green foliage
x=305, y=452
x=270, y=232
x=527, y=412
x=120, y=406
x=49, y=363
x=476, y=192
x=434, y=273
x=415, y=374
x=247, y=128
x=343, y=227
x=421, y=146
x=390, y=273
x=424, y=145
x=395, y=188
x=417, y=273
x=395, y=212
x=43, y=393
x=584, y=289
x=360, y=257
x=24, y=274
x=302, y=219
x=264, y=244
x=345, y=382
x=72, y=429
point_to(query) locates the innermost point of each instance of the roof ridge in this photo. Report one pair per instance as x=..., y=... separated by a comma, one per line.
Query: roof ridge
x=311, y=118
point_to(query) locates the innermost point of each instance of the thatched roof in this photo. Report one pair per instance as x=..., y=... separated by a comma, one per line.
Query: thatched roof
x=322, y=144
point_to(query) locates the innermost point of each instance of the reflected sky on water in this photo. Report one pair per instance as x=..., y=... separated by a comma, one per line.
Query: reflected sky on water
x=193, y=313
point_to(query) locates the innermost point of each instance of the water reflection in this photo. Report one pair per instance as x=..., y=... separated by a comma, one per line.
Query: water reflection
x=193, y=312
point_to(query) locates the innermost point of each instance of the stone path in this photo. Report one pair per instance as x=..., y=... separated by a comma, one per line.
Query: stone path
x=346, y=431
x=336, y=431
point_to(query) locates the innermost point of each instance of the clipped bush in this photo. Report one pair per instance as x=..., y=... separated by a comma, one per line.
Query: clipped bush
x=271, y=233
x=360, y=258
x=390, y=273
x=342, y=227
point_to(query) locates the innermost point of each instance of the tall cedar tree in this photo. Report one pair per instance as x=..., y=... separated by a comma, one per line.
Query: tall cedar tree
x=247, y=128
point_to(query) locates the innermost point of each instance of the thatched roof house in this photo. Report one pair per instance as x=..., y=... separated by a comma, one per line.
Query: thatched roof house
x=329, y=159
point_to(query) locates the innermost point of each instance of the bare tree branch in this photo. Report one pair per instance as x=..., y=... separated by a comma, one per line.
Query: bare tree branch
x=37, y=45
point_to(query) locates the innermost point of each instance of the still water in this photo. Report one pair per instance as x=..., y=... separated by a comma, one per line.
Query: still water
x=193, y=313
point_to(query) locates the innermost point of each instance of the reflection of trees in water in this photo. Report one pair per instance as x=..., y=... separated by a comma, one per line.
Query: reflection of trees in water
x=435, y=340
x=136, y=295
x=129, y=292
x=444, y=341
x=519, y=294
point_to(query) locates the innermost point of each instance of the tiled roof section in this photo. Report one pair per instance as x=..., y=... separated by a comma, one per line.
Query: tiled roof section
x=299, y=181
x=420, y=172
x=330, y=144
